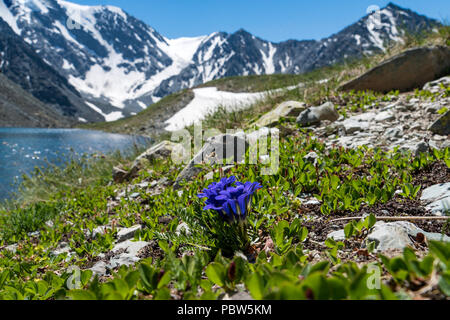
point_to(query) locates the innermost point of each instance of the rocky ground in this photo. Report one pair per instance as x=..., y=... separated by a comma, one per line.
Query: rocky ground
x=403, y=123
x=149, y=195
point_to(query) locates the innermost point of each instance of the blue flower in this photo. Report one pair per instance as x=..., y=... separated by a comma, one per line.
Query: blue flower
x=229, y=198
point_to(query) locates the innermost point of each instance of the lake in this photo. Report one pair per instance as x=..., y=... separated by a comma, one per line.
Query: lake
x=21, y=150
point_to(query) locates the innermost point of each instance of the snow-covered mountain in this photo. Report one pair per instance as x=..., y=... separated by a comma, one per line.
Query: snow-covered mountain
x=121, y=65
x=240, y=53
x=20, y=64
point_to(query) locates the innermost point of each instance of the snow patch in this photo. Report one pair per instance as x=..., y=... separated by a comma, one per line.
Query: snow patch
x=113, y=116
x=358, y=39
x=184, y=48
x=208, y=101
x=268, y=59
x=142, y=105
x=8, y=17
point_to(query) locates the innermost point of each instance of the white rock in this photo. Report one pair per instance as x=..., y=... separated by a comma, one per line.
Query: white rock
x=183, y=228
x=351, y=125
x=311, y=157
x=12, y=248
x=100, y=231
x=99, y=268
x=384, y=116
x=209, y=175
x=241, y=296
x=437, y=198
x=129, y=257
x=337, y=235
x=62, y=248
x=285, y=109
x=395, y=235
x=315, y=115
x=364, y=117
x=392, y=235
x=395, y=132
x=435, y=84
x=128, y=233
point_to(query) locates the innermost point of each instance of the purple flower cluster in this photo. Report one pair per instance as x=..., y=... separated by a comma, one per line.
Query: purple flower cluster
x=230, y=198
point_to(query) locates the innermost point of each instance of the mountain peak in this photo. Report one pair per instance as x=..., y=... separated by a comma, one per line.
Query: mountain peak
x=243, y=32
x=393, y=6
x=121, y=65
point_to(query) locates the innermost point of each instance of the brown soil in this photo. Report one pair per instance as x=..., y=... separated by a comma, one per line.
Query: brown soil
x=436, y=173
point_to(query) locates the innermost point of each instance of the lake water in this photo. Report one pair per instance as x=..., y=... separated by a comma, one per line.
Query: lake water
x=21, y=150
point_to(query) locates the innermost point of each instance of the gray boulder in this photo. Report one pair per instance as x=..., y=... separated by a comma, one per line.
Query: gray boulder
x=385, y=116
x=215, y=151
x=99, y=268
x=393, y=235
x=338, y=235
x=315, y=115
x=127, y=233
x=394, y=133
x=286, y=109
x=351, y=126
x=126, y=253
x=437, y=198
x=396, y=235
x=162, y=150
x=407, y=71
x=434, y=86
x=421, y=147
x=119, y=175
x=442, y=125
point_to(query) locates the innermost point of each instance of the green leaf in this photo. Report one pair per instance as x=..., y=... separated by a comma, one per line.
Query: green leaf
x=132, y=278
x=290, y=292
x=330, y=243
x=349, y=230
x=86, y=276
x=216, y=273
x=303, y=234
x=165, y=279
x=148, y=277
x=255, y=284
x=441, y=250
x=3, y=276
x=371, y=221
x=164, y=246
x=322, y=266
x=444, y=284
x=163, y=294
x=81, y=295
x=371, y=246
x=387, y=294
x=337, y=289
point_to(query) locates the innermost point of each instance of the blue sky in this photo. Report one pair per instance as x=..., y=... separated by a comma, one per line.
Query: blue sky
x=274, y=20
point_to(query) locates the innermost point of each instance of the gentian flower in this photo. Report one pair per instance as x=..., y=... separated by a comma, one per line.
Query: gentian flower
x=229, y=198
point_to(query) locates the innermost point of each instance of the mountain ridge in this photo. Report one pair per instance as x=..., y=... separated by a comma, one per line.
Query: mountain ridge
x=22, y=65
x=120, y=65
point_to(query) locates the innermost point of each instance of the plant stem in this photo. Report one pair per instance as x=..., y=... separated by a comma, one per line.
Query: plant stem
x=413, y=218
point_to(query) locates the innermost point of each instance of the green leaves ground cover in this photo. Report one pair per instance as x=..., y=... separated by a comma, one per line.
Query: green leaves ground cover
x=342, y=180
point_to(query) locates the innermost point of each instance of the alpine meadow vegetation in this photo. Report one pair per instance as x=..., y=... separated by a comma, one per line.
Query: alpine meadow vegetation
x=235, y=230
